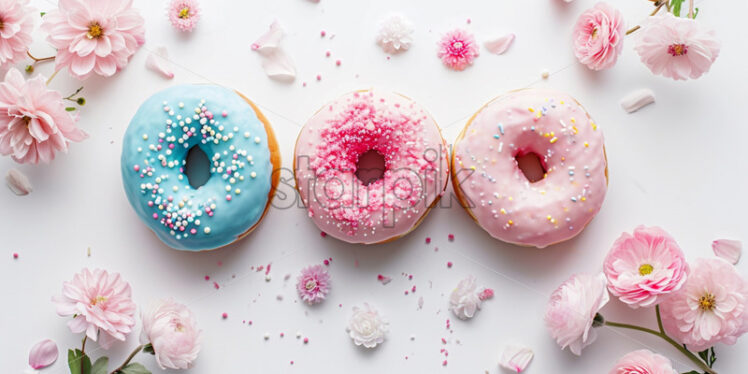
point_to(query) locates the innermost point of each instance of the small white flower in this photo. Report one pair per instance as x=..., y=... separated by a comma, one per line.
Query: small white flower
x=515, y=358
x=395, y=34
x=366, y=327
x=464, y=300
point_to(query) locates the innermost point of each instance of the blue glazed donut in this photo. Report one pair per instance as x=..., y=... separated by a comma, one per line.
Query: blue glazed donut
x=243, y=155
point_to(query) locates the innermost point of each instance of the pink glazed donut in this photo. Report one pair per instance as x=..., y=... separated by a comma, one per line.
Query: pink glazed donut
x=496, y=192
x=415, y=169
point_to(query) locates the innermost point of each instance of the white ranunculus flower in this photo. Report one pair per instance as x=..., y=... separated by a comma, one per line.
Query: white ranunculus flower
x=396, y=34
x=464, y=300
x=366, y=327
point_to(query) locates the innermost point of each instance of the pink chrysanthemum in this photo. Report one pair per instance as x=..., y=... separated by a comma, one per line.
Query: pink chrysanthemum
x=16, y=24
x=94, y=36
x=458, y=49
x=643, y=362
x=598, y=36
x=314, y=284
x=184, y=14
x=33, y=120
x=712, y=307
x=645, y=266
x=101, y=305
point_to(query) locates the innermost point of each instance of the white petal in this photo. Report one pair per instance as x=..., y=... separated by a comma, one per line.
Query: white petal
x=727, y=249
x=158, y=61
x=637, y=99
x=279, y=66
x=499, y=45
x=516, y=358
x=18, y=182
x=270, y=40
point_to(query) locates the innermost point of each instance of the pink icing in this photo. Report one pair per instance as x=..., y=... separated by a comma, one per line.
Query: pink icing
x=508, y=206
x=327, y=152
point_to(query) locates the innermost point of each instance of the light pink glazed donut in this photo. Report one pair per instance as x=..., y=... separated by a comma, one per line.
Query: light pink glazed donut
x=326, y=160
x=498, y=195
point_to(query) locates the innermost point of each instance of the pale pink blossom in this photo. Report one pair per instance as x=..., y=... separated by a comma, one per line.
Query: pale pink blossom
x=313, y=284
x=94, y=36
x=729, y=249
x=598, y=36
x=43, y=354
x=643, y=362
x=16, y=24
x=712, y=307
x=677, y=48
x=645, y=266
x=572, y=309
x=33, y=121
x=101, y=306
x=183, y=14
x=367, y=327
x=458, y=49
x=172, y=331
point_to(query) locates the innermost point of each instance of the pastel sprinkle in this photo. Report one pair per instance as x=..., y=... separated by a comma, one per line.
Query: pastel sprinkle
x=225, y=315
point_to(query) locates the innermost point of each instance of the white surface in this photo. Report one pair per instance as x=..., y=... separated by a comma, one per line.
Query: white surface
x=678, y=163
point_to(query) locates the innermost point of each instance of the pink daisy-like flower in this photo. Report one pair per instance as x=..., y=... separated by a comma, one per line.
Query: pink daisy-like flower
x=645, y=266
x=101, y=305
x=313, y=284
x=16, y=24
x=183, y=14
x=598, y=36
x=33, y=120
x=458, y=49
x=712, y=307
x=643, y=362
x=94, y=36
x=677, y=48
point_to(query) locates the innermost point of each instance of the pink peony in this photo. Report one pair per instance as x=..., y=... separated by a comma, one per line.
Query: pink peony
x=183, y=14
x=172, y=331
x=678, y=48
x=101, y=306
x=94, y=36
x=572, y=310
x=598, y=36
x=16, y=24
x=712, y=307
x=643, y=362
x=457, y=49
x=643, y=267
x=313, y=284
x=33, y=120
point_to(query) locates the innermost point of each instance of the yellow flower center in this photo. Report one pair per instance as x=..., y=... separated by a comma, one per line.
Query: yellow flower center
x=94, y=31
x=594, y=33
x=179, y=327
x=677, y=50
x=645, y=269
x=707, y=302
x=184, y=13
x=98, y=299
x=311, y=284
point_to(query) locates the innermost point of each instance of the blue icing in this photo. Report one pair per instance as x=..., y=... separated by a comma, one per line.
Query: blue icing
x=156, y=143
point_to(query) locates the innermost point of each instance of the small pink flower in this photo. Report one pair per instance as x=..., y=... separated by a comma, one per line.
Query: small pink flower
x=572, y=310
x=313, y=284
x=643, y=362
x=99, y=303
x=645, y=266
x=712, y=307
x=16, y=24
x=457, y=49
x=33, y=120
x=598, y=36
x=677, y=48
x=94, y=36
x=172, y=331
x=183, y=14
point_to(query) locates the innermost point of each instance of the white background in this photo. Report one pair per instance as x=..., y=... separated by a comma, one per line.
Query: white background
x=679, y=164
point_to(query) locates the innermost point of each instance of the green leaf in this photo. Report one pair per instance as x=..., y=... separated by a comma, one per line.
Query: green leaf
x=42, y=14
x=70, y=109
x=78, y=362
x=675, y=5
x=100, y=366
x=695, y=12
x=135, y=368
x=148, y=348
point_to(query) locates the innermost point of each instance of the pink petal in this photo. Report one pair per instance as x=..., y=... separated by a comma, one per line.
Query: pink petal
x=499, y=45
x=279, y=66
x=727, y=249
x=269, y=41
x=18, y=182
x=43, y=354
x=158, y=61
x=516, y=359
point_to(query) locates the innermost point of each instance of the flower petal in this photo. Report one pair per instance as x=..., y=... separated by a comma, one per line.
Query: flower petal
x=499, y=45
x=516, y=358
x=158, y=61
x=18, y=182
x=637, y=99
x=728, y=249
x=43, y=354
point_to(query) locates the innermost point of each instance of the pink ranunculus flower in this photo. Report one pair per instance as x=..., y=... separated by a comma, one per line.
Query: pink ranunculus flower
x=16, y=24
x=94, y=36
x=313, y=284
x=645, y=266
x=712, y=307
x=183, y=14
x=172, y=331
x=458, y=49
x=598, y=36
x=675, y=47
x=572, y=310
x=101, y=305
x=33, y=121
x=643, y=362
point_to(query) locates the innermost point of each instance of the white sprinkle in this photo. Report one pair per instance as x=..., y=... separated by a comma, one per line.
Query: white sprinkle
x=257, y=139
x=206, y=230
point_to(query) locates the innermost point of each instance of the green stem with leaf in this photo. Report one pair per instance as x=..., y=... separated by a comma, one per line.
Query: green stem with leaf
x=129, y=358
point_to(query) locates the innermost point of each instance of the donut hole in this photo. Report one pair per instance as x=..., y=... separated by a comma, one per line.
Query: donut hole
x=197, y=167
x=531, y=165
x=370, y=167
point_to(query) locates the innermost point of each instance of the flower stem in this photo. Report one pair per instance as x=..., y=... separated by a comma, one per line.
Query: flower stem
x=663, y=336
x=657, y=9
x=52, y=77
x=690, y=9
x=38, y=60
x=129, y=358
x=83, y=345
